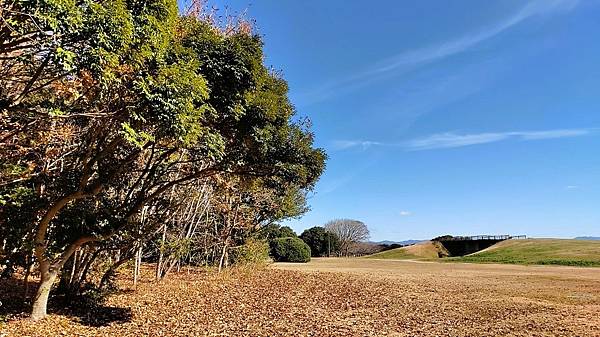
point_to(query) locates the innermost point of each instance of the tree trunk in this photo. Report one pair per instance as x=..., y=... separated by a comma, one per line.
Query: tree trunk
x=111, y=270
x=87, y=266
x=26, y=279
x=223, y=252
x=138, y=261
x=73, y=268
x=159, y=272
x=40, y=302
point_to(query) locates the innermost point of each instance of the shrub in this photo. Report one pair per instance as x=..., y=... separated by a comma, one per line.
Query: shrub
x=252, y=252
x=289, y=250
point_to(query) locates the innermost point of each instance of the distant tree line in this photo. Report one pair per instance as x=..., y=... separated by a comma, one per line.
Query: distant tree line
x=340, y=237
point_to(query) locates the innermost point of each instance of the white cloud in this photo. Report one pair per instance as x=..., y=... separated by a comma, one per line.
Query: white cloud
x=451, y=47
x=346, y=144
x=452, y=140
x=418, y=57
x=572, y=187
x=405, y=213
x=449, y=140
x=554, y=134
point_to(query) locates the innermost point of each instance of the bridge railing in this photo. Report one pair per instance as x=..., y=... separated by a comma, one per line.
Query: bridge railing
x=483, y=237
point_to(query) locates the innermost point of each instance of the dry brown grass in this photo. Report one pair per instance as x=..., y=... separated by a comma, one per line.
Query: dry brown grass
x=352, y=297
x=421, y=250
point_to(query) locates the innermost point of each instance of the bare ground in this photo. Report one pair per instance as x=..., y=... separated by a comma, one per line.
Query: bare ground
x=347, y=297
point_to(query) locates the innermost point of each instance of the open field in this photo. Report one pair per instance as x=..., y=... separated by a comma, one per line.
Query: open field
x=539, y=251
x=345, y=297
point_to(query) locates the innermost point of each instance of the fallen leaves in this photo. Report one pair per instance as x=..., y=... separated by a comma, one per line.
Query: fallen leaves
x=293, y=303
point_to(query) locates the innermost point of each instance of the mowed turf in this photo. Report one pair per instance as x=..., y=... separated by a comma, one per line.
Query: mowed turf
x=539, y=251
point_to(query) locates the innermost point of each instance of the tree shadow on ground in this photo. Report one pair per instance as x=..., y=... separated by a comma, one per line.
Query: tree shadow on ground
x=11, y=298
x=82, y=309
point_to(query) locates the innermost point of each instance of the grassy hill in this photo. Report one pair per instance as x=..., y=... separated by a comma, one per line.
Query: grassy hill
x=539, y=251
x=422, y=250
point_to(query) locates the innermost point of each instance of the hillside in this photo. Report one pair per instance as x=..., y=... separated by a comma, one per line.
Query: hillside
x=422, y=250
x=539, y=251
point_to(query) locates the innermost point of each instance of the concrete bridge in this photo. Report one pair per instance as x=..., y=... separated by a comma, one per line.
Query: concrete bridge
x=465, y=245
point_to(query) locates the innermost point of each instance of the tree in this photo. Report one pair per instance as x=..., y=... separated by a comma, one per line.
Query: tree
x=273, y=231
x=125, y=103
x=61, y=111
x=349, y=232
x=320, y=241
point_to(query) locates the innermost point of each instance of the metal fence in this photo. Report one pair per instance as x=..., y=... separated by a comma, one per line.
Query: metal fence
x=484, y=237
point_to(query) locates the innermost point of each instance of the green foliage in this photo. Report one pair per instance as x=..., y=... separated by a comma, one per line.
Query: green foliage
x=120, y=103
x=252, y=252
x=442, y=237
x=273, y=231
x=135, y=137
x=320, y=241
x=177, y=248
x=287, y=232
x=289, y=250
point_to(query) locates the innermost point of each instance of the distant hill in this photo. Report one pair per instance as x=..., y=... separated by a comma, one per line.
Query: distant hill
x=594, y=238
x=403, y=243
x=539, y=251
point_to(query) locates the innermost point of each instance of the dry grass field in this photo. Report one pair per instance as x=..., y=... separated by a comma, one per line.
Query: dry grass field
x=344, y=297
x=422, y=250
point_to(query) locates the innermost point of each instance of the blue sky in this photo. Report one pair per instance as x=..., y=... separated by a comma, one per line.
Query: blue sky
x=466, y=117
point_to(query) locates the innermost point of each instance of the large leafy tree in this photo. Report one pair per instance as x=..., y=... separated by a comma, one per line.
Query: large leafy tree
x=272, y=231
x=119, y=102
x=320, y=241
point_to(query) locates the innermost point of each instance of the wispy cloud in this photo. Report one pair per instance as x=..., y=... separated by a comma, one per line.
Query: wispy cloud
x=347, y=144
x=405, y=213
x=452, y=140
x=410, y=59
x=572, y=187
x=553, y=134
x=452, y=47
x=448, y=140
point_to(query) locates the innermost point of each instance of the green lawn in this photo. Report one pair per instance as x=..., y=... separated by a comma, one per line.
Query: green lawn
x=539, y=251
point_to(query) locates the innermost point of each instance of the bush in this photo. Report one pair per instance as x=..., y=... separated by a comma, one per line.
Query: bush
x=289, y=250
x=252, y=252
